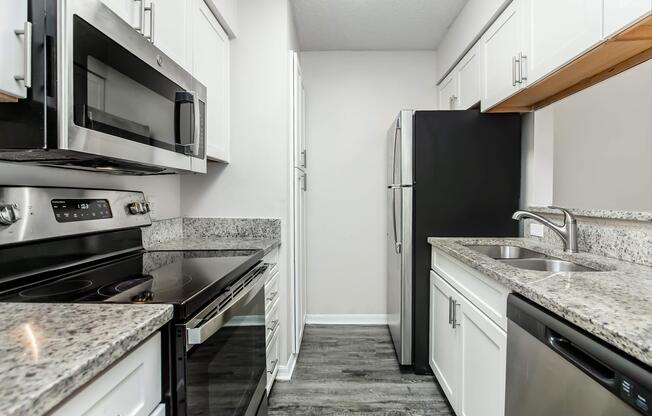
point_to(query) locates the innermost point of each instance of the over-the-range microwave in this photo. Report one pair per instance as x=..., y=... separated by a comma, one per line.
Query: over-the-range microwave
x=102, y=97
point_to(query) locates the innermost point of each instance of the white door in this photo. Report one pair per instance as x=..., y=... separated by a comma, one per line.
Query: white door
x=556, y=32
x=618, y=14
x=468, y=79
x=448, y=92
x=482, y=350
x=299, y=153
x=501, y=44
x=444, y=338
x=210, y=58
x=167, y=25
x=15, y=62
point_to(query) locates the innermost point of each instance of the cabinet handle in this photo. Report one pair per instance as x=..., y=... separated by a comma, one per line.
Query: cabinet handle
x=304, y=158
x=273, y=363
x=455, y=305
x=272, y=295
x=304, y=186
x=150, y=9
x=450, y=310
x=273, y=328
x=513, y=71
x=523, y=67
x=27, y=75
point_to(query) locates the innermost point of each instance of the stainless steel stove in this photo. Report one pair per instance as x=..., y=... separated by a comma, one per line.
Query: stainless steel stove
x=85, y=245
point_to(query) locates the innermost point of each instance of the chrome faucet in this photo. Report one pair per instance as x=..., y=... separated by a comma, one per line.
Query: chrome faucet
x=567, y=231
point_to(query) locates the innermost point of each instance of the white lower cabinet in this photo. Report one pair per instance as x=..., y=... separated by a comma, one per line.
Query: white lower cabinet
x=131, y=387
x=272, y=321
x=467, y=352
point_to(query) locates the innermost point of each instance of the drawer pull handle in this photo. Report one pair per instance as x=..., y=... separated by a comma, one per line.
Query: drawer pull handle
x=272, y=295
x=273, y=363
x=273, y=327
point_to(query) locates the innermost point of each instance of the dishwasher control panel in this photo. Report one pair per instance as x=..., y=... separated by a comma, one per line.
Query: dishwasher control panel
x=635, y=395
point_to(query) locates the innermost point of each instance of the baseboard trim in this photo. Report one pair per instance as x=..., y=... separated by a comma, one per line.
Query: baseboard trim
x=285, y=371
x=349, y=319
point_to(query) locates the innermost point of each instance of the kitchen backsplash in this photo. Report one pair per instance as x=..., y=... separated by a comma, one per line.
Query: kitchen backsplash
x=178, y=228
x=623, y=235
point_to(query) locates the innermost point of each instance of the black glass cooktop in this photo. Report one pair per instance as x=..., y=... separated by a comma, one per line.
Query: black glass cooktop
x=186, y=279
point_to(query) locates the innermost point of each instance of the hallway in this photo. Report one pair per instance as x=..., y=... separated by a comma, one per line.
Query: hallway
x=344, y=369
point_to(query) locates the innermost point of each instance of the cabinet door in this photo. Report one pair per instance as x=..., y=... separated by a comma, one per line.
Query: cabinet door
x=211, y=67
x=129, y=10
x=468, y=79
x=14, y=49
x=483, y=346
x=167, y=24
x=448, y=92
x=556, y=32
x=444, y=351
x=618, y=14
x=500, y=45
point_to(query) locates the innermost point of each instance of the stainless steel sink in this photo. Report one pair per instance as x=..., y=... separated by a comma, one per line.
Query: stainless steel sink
x=527, y=259
x=500, y=252
x=548, y=265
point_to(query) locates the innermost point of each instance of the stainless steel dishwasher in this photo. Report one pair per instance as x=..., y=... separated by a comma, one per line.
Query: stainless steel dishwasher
x=553, y=368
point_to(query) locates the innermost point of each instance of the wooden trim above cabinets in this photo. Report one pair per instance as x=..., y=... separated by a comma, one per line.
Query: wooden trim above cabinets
x=613, y=56
x=7, y=98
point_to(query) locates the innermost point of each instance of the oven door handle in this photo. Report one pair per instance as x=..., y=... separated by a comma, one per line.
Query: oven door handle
x=199, y=334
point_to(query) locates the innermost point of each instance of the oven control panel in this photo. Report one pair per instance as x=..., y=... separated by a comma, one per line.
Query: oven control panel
x=71, y=210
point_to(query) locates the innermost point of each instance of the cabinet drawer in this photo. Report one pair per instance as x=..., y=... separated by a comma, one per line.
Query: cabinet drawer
x=130, y=387
x=271, y=291
x=486, y=294
x=273, y=357
x=272, y=321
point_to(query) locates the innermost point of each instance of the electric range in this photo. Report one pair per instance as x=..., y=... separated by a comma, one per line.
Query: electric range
x=85, y=245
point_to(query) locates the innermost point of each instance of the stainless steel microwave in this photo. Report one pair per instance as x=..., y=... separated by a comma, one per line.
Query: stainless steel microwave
x=102, y=97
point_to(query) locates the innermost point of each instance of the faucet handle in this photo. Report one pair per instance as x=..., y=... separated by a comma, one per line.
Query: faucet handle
x=568, y=217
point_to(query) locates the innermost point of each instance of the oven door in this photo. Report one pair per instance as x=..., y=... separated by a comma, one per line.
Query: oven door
x=225, y=365
x=120, y=97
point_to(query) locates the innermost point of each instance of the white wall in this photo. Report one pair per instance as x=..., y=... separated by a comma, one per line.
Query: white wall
x=352, y=98
x=163, y=190
x=468, y=26
x=257, y=181
x=594, y=148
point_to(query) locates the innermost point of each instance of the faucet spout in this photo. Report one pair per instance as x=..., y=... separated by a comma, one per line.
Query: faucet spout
x=566, y=231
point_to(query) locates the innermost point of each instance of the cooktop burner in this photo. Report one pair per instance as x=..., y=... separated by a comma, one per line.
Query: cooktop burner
x=58, y=288
x=186, y=279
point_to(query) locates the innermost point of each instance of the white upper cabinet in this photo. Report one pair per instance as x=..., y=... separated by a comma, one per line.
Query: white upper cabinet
x=469, y=79
x=556, y=32
x=501, y=45
x=448, y=92
x=131, y=11
x=167, y=24
x=211, y=67
x=618, y=14
x=15, y=63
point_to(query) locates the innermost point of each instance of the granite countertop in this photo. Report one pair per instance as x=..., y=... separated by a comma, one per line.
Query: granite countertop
x=49, y=350
x=614, y=304
x=217, y=243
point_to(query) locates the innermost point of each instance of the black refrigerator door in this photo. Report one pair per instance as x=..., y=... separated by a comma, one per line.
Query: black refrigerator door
x=467, y=170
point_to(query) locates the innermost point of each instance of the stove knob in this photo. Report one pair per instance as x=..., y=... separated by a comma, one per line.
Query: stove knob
x=135, y=208
x=9, y=214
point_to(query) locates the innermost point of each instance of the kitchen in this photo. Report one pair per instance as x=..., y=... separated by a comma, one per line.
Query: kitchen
x=306, y=207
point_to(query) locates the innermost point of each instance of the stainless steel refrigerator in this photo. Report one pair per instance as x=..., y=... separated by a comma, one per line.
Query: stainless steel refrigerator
x=449, y=174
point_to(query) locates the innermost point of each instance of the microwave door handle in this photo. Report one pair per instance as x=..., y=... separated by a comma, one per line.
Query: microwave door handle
x=199, y=334
x=196, y=130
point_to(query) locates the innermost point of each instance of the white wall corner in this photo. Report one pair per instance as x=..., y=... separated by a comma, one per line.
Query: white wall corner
x=346, y=319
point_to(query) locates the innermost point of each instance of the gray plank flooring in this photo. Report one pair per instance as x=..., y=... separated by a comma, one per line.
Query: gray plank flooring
x=345, y=369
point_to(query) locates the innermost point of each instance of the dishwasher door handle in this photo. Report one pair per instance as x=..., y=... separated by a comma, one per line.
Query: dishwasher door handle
x=580, y=358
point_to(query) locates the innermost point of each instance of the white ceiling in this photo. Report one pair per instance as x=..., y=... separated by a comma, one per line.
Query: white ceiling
x=373, y=24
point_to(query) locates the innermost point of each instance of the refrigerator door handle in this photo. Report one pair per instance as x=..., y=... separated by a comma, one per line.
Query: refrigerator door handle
x=397, y=245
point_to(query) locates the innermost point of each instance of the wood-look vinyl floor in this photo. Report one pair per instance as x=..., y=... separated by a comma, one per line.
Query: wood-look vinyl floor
x=344, y=369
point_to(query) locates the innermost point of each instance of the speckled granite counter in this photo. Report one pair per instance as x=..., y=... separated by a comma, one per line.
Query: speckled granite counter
x=217, y=243
x=614, y=304
x=47, y=351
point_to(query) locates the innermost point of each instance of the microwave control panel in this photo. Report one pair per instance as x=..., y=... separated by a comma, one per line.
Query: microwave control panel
x=73, y=210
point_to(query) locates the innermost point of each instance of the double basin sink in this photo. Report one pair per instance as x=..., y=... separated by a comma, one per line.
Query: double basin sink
x=527, y=259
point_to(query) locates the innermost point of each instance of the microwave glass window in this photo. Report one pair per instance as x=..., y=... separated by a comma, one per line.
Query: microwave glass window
x=117, y=93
